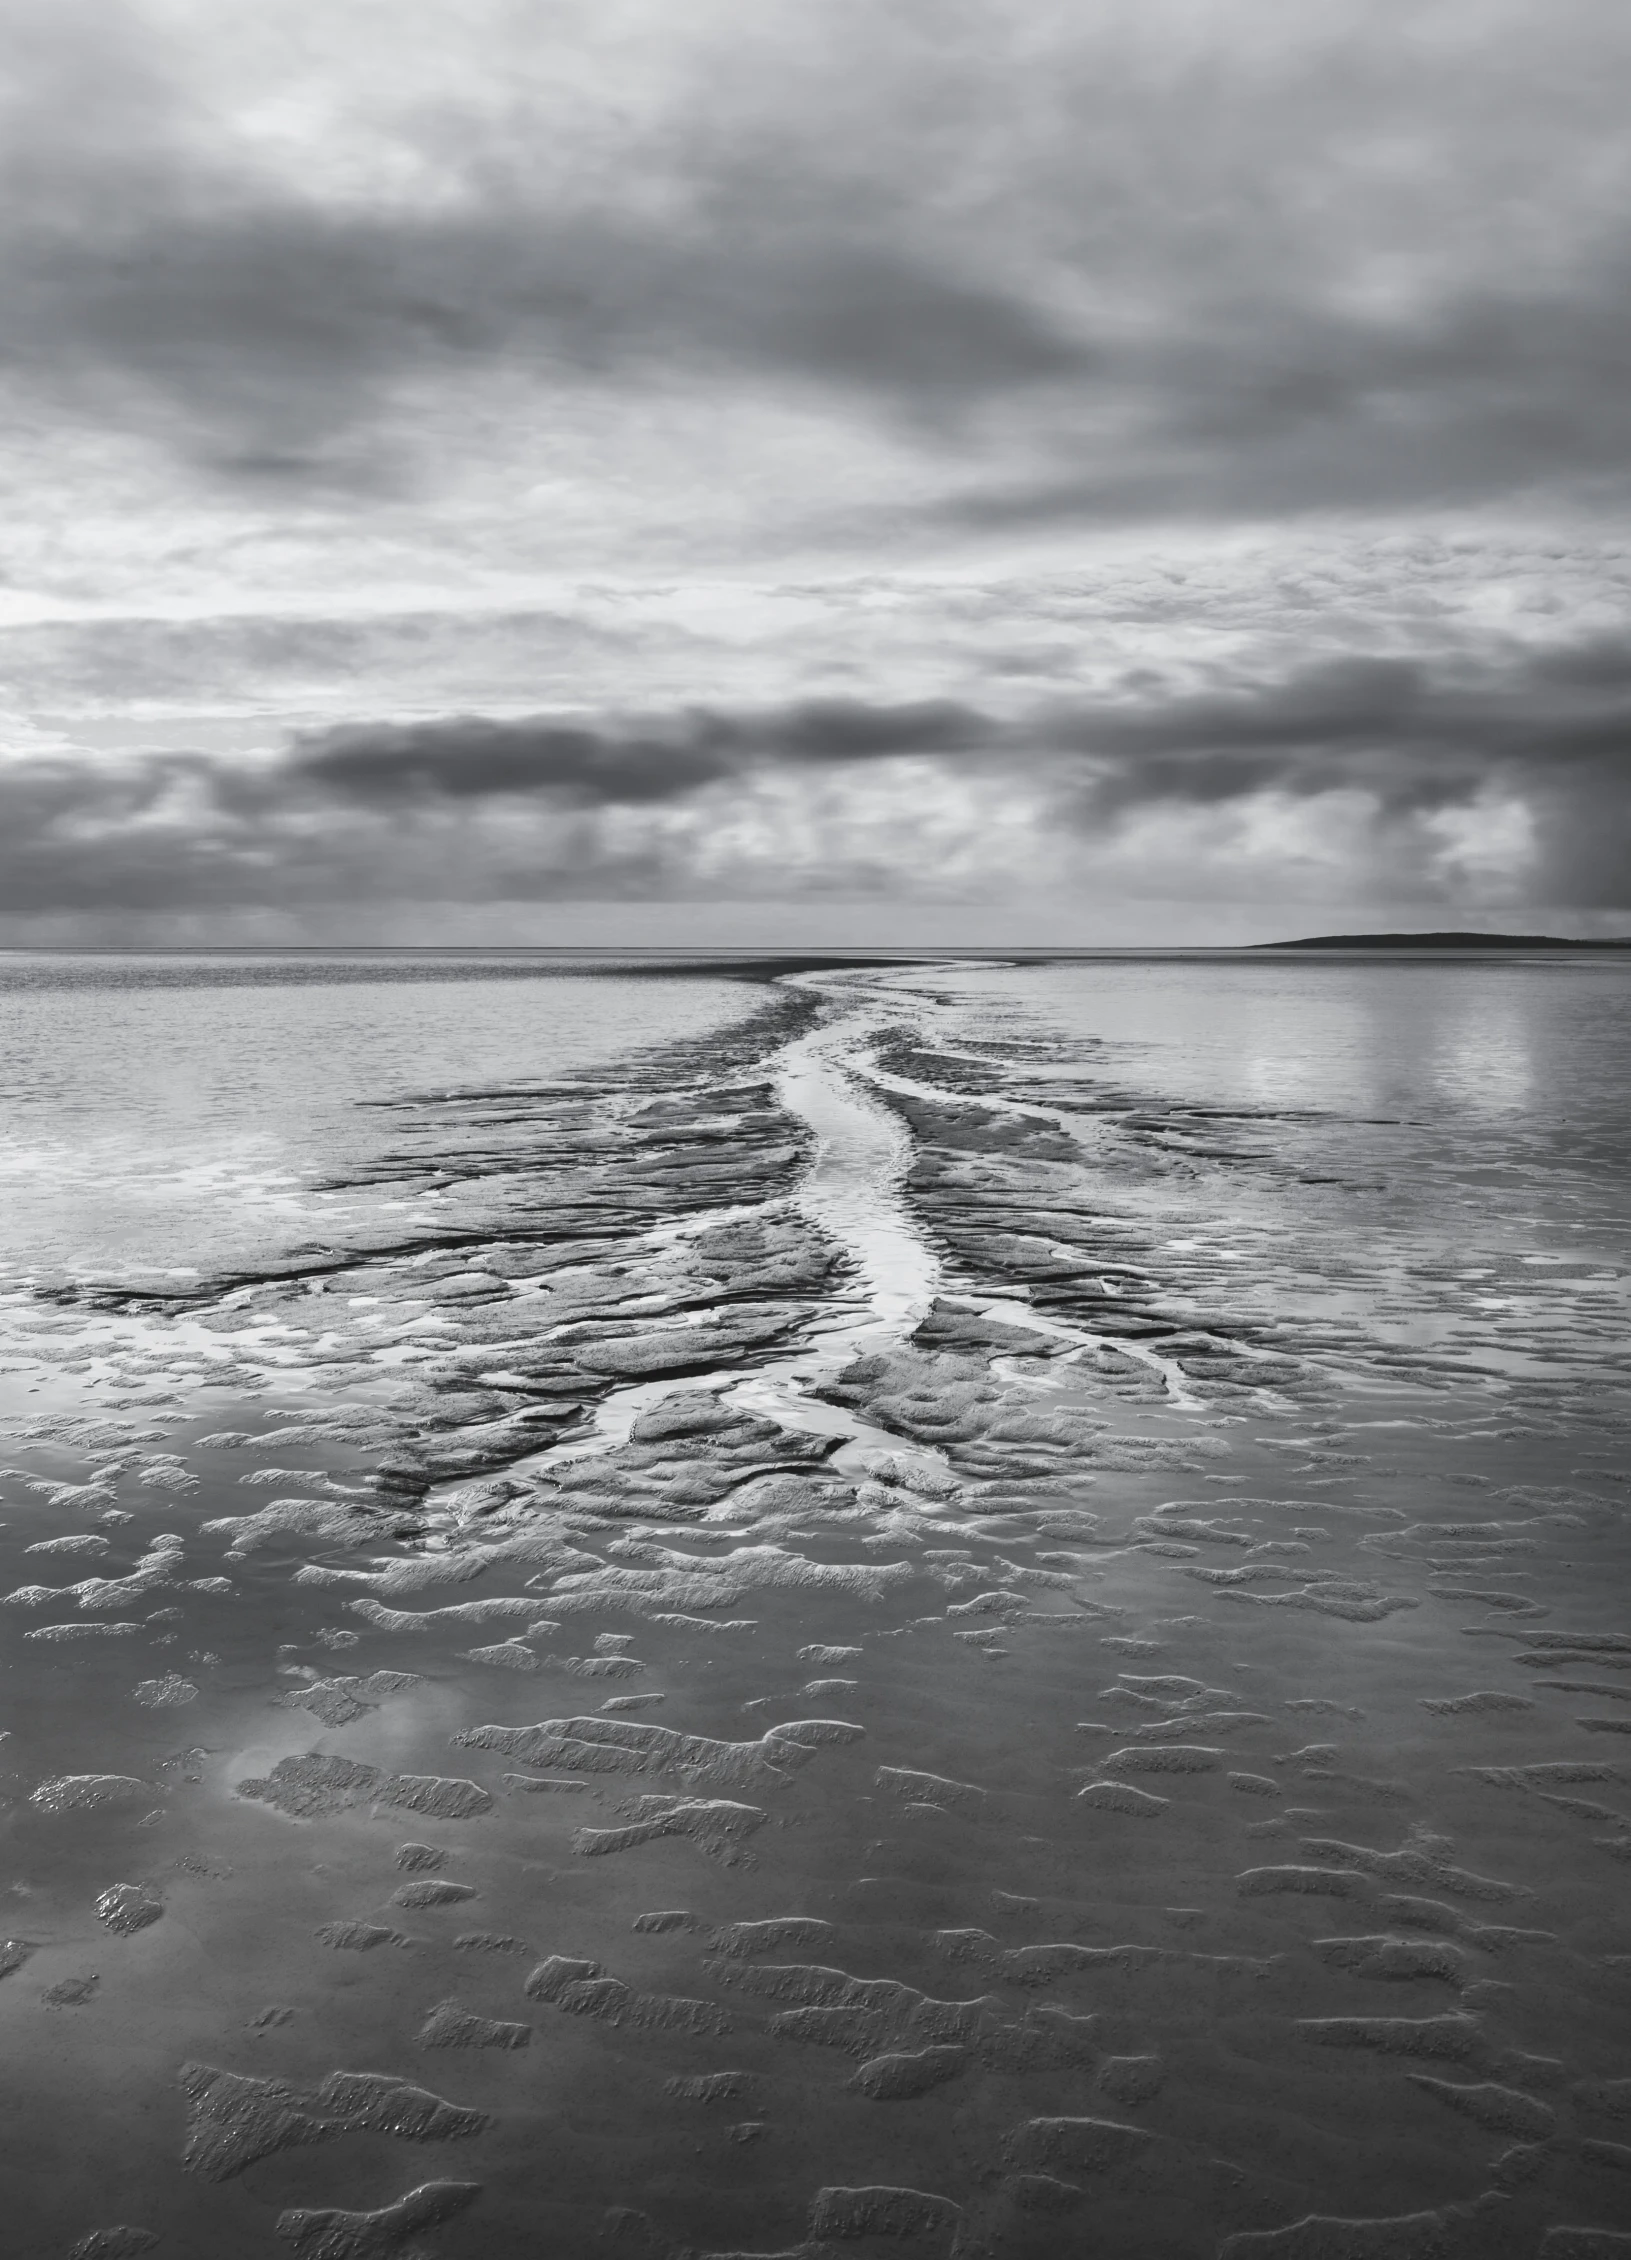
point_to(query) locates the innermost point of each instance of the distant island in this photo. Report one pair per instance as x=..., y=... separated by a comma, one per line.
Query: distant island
x=1453, y=941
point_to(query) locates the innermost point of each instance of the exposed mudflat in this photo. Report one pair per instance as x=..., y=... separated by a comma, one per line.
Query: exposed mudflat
x=852, y=1640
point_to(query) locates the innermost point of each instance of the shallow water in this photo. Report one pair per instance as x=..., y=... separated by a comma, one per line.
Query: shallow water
x=169, y=1111
x=975, y=1605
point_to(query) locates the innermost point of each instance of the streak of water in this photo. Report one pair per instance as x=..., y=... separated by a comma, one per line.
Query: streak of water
x=851, y=1191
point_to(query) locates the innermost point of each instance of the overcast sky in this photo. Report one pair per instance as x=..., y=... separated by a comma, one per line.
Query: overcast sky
x=813, y=470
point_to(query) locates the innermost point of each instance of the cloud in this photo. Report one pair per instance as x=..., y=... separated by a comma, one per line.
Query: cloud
x=1093, y=267
x=1512, y=770
x=272, y=345
x=1534, y=747
x=470, y=757
x=1414, y=736
x=294, y=324
x=972, y=449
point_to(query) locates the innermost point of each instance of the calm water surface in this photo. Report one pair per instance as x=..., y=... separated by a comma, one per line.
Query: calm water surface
x=161, y=1112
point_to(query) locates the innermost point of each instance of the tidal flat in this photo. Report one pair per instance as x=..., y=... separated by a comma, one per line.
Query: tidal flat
x=921, y=1620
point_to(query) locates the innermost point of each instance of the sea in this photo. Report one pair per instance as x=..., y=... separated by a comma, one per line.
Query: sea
x=744, y=1606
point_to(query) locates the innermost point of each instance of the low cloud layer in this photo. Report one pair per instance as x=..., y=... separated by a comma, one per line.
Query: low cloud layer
x=1489, y=782
x=469, y=758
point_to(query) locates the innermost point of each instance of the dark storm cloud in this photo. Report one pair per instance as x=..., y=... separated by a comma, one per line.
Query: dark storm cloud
x=1413, y=736
x=1550, y=732
x=385, y=810
x=177, y=833
x=269, y=344
x=1382, y=263
x=157, y=279
x=540, y=807
x=74, y=835
x=1284, y=407
x=279, y=334
x=469, y=757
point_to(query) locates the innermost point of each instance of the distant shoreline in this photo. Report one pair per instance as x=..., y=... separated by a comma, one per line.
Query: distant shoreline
x=1447, y=941
x=772, y=960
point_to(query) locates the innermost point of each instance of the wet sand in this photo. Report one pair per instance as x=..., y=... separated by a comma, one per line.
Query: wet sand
x=797, y=1681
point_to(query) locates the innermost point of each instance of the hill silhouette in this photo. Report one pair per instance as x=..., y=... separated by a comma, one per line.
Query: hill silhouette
x=1456, y=940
